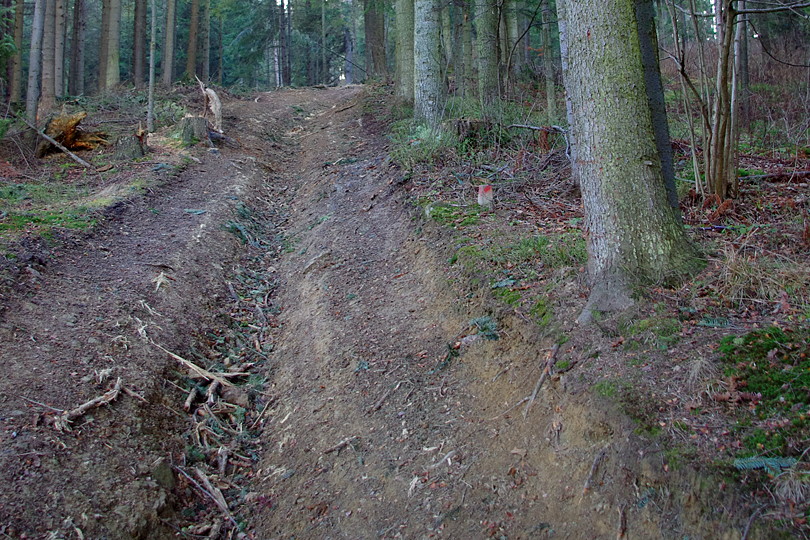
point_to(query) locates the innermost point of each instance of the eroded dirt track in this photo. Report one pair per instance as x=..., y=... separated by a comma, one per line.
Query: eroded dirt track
x=381, y=413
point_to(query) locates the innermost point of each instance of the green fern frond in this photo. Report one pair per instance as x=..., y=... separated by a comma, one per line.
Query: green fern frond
x=773, y=465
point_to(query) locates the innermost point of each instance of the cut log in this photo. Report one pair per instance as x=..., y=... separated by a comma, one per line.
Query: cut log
x=129, y=147
x=193, y=130
x=66, y=131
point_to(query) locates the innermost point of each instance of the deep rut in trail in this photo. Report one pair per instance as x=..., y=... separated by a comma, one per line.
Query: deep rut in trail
x=374, y=407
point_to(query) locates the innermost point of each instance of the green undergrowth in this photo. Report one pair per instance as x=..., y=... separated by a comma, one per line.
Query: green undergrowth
x=769, y=369
x=415, y=144
x=41, y=207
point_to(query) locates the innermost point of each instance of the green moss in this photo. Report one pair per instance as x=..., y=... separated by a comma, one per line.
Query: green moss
x=542, y=313
x=772, y=367
x=509, y=296
x=606, y=388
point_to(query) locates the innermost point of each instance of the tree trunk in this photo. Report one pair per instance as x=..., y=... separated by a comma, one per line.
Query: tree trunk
x=648, y=42
x=48, y=90
x=429, y=87
x=76, y=78
x=59, y=49
x=150, y=108
x=513, y=54
x=104, y=43
x=467, y=84
x=205, y=42
x=348, y=67
x=15, y=83
x=113, y=70
x=374, y=21
x=446, y=31
x=404, y=88
x=139, y=45
x=220, y=48
x=191, y=50
x=283, y=43
x=167, y=65
x=633, y=236
x=324, y=66
x=486, y=27
x=35, y=62
x=741, y=57
x=548, y=63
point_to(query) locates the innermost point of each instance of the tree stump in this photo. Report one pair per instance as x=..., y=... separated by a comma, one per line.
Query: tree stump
x=194, y=129
x=129, y=147
x=66, y=131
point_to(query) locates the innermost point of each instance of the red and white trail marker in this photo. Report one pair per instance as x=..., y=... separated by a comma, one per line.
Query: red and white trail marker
x=485, y=195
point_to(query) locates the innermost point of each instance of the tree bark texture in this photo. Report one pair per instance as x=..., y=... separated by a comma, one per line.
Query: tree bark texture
x=205, y=42
x=103, y=44
x=633, y=236
x=513, y=54
x=374, y=23
x=548, y=63
x=150, y=108
x=191, y=49
x=47, y=91
x=112, y=71
x=167, y=65
x=429, y=83
x=15, y=82
x=77, y=46
x=486, y=28
x=648, y=42
x=404, y=84
x=139, y=44
x=467, y=83
x=59, y=27
x=448, y=54
x=35, y=62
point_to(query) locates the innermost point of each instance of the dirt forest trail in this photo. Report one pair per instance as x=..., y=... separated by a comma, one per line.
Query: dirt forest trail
x=380, y=411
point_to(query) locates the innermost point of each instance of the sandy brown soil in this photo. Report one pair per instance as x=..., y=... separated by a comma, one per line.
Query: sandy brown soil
x=378, y=413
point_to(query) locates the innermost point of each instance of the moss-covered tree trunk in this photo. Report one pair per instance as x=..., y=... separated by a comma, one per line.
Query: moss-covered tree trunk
x=486, y=29
x=634, y=239
x=404, y=50
x=429, y=86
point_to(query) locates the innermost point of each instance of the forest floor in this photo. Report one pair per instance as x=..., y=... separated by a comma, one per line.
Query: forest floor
x=291, y=337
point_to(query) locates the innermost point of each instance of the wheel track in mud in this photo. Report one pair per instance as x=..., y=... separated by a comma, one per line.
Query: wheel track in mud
x=376, y=427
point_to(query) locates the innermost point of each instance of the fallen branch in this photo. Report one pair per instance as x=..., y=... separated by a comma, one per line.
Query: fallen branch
x=212, y=392
x=62, y=422
x=510, y=409
x=210, y=490
x=596, y=461
x=204, y=373
x=448, y=457
x=378, y=404
x=547, y=129
x=190, y=399
x=53, y=141
x=342, y=444
x=546, y=370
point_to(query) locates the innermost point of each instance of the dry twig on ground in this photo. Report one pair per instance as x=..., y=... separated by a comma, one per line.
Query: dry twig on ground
x=62, y=422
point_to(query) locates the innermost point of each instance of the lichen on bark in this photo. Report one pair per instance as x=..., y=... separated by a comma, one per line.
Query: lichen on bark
x=634, y=237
